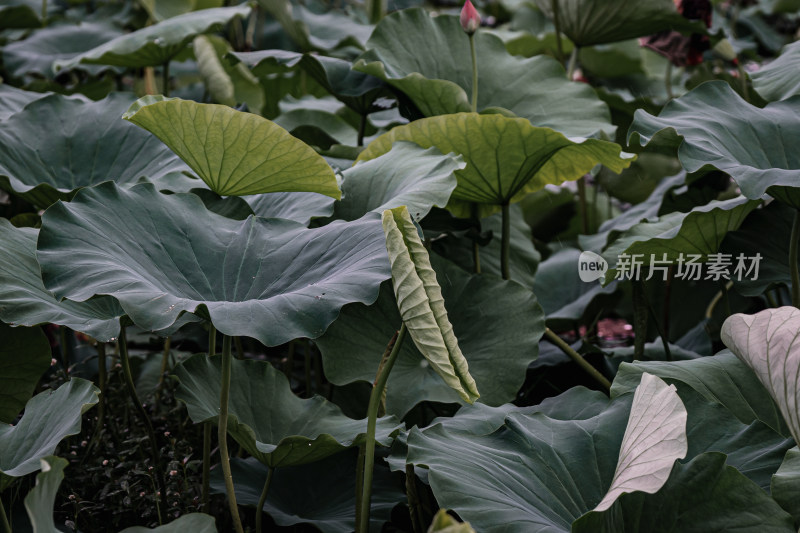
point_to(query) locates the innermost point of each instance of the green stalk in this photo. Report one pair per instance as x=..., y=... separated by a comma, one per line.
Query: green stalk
x=165, y=79
x=44, y=12
x=573, y=62
x=126, y=371
x=575, y=356
x=476, y=249
x=505, y=245
x=414, y=506
x=376, y=10
x=372, y=421
x=4, y=518
x=793, y=246
x=583, y=205
x=474, y=73
x=557, y=23
x=640, y=316
x=206, y=490
x=263, y=499
x=362, y=127
x=359, y=479
x=225, y=460
x=668, y=81
x=164, y=364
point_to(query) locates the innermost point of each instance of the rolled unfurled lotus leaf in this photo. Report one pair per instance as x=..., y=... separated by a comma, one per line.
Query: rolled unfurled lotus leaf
x=267, y=418
x=49, y=417
x=587, y=22
x=157, y=44
x=24, y=357
x=406, y=175
x=419, y=299
x=445, y=523
x=235, y=153
x=400, y=53
x=58, y=144
x=25, y=302
x=655, y=438
x=757, y=147
x=778, y=79
x=768, y=343
x=227, y=84
x=164, y=255
x=507, y=158
x=218, y=83
x=40, y=501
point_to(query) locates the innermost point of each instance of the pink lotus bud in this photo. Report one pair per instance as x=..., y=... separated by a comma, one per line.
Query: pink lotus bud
x=470, y=19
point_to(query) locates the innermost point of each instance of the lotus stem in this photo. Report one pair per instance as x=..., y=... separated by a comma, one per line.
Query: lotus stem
x=575, y=356
x=4, y=518
x=505, y=245
x=359, y=479
x=44, y=12
x=263, y=499
x=376, y=10
x=372, y=420
x=668, y=81
x=222, y=427
x=414, y=507
x=126, y=371
x=362, y=127
x=583, y=205
x=717, y=299
x=164, y=364
x=793, y=247
x=640, y=319
x=573, y=61
x=204, y=498
x=165, y=79
x=557, y=23
x=476, y=250
x=474, y=73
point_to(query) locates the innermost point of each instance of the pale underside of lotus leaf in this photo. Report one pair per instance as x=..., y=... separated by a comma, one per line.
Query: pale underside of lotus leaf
x=757, y=147
x=507, y=158
x=233, y=152
x=164, y=255
x=768, y=343
x=399, y=52
x=778, y=80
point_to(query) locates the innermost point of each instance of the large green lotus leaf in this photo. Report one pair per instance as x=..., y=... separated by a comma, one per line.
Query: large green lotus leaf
x=421, y=304
x=157, y=44
x=164, y=9
x=56, y=145
x=722, y=499
x=721, y=379
x=407, y=175
x=541, y=473
x=507, y=158
x=321, y=493
x=755, y=146
x=36, y=54
x=194, y=522
x=12, y=100
x=267, y=419
x=20, y=14
x=40, y=501
x=587, y=22
x=497, y=345
x=778, y=80
x=235, y=153
x=654, y=439
x=297, y=206
x=403, y=51
x=24, y=300
x=163, y=255
x=785, y=486
x=49, y=417
x=24, y=357
x=767, y=343
x=356, y=89
x=774, y=219
x=318, y=128
x=699, y=232
x=523, y=258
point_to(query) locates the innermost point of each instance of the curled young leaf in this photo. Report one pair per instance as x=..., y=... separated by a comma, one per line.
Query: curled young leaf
x=421, y=305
